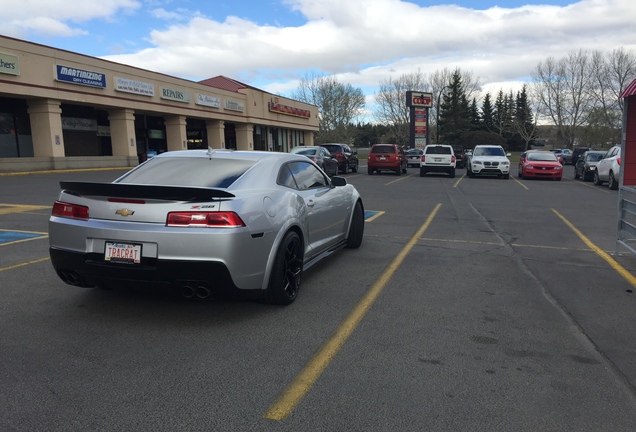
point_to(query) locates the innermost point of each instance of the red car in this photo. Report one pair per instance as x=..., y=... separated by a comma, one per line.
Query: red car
x=540, y=164
x=387, y=157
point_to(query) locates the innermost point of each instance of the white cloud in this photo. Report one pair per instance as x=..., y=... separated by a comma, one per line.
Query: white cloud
x=50, y=17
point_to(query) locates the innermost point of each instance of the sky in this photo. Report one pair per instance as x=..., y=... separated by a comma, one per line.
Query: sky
x=272, y=44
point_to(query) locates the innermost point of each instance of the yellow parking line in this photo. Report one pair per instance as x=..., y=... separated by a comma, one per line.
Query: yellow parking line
x=400, y=179
x=18, y=208
x=24, y=240
x=375, y=216
x=460, y=179
x=286, y=402
x=519, y=183
x=600, y=252
x=24, y=264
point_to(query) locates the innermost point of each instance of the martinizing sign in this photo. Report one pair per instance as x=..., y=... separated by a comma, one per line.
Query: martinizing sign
x=418, y=104
x=79, y=76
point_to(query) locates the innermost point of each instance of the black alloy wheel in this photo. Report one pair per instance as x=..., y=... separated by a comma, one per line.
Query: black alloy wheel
x=284, y=282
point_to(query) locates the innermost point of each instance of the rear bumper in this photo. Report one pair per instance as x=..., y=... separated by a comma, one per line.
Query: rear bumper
x=90, y=269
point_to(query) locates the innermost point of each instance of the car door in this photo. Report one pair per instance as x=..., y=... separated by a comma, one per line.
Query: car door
x=604, y=164
x=326, y=208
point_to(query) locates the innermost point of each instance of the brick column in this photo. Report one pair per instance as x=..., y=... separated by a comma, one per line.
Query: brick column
x=244, y=136
x=176, y=136
x=46, y=128
x=122, y=132
x=216, y=133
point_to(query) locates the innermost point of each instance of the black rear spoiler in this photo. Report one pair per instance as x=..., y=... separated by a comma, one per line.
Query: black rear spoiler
x=126, y=190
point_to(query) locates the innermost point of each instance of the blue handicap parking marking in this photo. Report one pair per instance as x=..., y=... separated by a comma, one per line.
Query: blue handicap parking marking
x=11, y=236
x=368, y=214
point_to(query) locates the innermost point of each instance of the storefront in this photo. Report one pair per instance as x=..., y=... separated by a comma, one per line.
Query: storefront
x=62, y=110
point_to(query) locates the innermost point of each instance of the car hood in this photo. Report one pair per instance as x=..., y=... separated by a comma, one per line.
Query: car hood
x=490, y=158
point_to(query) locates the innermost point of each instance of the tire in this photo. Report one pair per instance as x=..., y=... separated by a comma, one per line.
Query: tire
x=597, y=181
x=356, y=231
x=451, y=173
x=506, y=176
x=398, y=171
x=612, y=183
x=284, y=282
x=346, y=168
x=422, y=172
x=576, y=174
x=471, y=174
x=355, y=168
x=519, y=173
x=370, y=171
x=336, y=170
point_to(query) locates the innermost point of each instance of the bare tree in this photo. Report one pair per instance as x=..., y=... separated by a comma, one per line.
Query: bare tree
x=391, y=103
x=339, y=106
x=611, y=73
x=564, y=90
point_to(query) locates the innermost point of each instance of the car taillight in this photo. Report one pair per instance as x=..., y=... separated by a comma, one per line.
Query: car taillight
x=423, y=158
x=340, y=156
x=72, y=211
x=452, y=159
x=204, y=219
x=618, y=160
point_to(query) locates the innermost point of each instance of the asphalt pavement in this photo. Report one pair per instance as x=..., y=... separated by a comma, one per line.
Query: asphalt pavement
x=472, y=305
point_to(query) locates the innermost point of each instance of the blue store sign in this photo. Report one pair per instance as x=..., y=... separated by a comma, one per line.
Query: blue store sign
x=81, y=77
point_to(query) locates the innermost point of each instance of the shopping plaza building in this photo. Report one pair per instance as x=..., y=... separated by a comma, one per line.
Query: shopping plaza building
x=63, y=110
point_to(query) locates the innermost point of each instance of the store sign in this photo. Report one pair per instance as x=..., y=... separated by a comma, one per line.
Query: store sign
x=275, y=106
x=156, y=134
x=418, y=99
x=80, y=76
x=79, y=124
x=133, y=86
x=234, y=105
x=177, y=95
x=9, y=64
x=103, y=131
x=209, y=101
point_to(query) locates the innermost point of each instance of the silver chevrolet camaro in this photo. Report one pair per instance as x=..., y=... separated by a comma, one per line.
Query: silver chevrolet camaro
x=205, y=223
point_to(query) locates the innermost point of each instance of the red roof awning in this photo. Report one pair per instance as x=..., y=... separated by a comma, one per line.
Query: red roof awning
x=630, y=90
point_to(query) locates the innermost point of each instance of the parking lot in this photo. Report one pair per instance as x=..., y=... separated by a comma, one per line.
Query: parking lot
x=473, y=304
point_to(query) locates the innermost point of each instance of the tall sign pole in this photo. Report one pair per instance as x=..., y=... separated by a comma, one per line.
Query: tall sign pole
x=419, y=103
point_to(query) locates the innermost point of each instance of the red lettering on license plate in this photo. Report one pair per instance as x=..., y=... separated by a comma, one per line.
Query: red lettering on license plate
x=125, y=253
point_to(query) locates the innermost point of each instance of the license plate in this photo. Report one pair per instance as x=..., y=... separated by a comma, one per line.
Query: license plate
x=122, y=253
x=382, y=157
x=438, y=159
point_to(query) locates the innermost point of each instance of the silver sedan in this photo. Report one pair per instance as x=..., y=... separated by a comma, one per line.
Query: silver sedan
x=205, y=223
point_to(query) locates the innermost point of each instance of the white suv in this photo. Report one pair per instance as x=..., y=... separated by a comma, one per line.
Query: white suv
x=438, y=158
x=608, y=169
x=489, y=160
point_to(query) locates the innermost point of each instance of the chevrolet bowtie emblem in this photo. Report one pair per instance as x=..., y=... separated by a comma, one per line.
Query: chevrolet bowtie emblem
x=124, y=212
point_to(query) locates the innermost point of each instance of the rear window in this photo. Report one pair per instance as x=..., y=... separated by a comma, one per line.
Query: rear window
x=188, y=171
x=383, y=149
x=333, y=148
x=438, y=150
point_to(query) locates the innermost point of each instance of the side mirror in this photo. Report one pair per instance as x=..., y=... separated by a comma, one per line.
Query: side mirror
x=338, y=181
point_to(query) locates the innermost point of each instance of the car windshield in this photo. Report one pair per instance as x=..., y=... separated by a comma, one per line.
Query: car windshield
x=413, y=152
x=304, y=151
x=188, y=171
x=383, y=149
x=545, y=157
x=594, y=157
x=489, y=151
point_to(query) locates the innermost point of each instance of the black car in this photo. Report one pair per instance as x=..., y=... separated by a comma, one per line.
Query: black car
x=460, y=157
x=577, y=152
x=585, y=166
x=347, y=158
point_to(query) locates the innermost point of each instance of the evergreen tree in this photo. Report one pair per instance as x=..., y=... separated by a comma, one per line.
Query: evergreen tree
x=455, y=115
x=475, y=118
x=487, y=114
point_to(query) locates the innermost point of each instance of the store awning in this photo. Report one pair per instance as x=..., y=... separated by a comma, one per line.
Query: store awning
x=630, y=90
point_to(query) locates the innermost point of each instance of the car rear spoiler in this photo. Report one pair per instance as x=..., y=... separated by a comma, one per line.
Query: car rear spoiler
x=126, y=190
